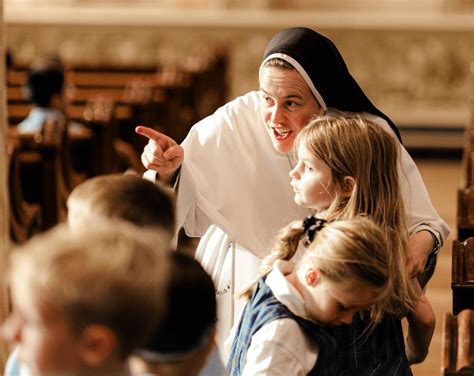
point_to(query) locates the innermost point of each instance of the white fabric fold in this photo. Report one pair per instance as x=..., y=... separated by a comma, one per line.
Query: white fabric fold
x=234, y=178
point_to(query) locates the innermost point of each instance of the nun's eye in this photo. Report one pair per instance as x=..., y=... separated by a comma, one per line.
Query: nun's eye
x=291, y=104
x=268, y=100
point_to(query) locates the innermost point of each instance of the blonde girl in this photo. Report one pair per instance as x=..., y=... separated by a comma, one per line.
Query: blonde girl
x=347, y=166
x=345, y=269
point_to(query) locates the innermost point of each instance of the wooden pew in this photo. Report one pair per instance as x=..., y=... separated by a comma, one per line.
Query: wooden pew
x=139, y=96
x=462, y=278
x=465, y=200
x=107, y=75
x=98, y=115
x=15, y=94
x=208, y=80
x=170, y=98
x=102, y=119
x=92, y=75
x=80, y=95
x=16, y=76
x=19, y=111
x=465, y=213
x=46, y=173
x=124, y=86
x=458, y=344
x=42, y=170
x=25, y=218
x=109, y=153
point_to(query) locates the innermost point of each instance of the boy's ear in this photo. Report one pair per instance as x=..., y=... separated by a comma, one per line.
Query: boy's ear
x=312, y=276
x=98, y=343
x=348, y=186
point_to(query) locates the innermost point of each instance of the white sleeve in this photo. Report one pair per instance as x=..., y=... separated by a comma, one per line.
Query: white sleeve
x=280, y=348
x=421, y=214
x=150, y=175
x=188, y=214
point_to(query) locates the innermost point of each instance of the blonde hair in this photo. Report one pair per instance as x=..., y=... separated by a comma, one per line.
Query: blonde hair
x=354, y=250
x=127, y=197
x=112, y=274
x=357, y=147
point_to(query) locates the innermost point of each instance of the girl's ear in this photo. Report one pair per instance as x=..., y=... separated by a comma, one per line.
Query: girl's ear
x=348, y=186
x=98, y=344
x=312, y=277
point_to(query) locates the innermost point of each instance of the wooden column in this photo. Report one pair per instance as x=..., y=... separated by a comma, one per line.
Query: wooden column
x=4, y=207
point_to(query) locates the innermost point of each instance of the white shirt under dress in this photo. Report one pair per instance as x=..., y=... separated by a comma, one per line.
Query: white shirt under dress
x=234, y=192
x=281, y=347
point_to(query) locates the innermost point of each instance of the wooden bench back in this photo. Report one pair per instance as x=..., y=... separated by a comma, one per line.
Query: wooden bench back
x=43, y=179
x=462, y=278
x=458, y=344
x=465, y=202
x=25, y=218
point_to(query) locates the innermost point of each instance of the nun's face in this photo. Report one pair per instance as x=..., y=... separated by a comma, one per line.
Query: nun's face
x=287, y=105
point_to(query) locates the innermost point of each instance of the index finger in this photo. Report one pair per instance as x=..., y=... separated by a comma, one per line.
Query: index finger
x=148, y=132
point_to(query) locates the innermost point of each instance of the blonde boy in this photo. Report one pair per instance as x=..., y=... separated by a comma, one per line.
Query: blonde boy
x=138, y=201
x=185, y=344
x=83, y=300
x=127, y=197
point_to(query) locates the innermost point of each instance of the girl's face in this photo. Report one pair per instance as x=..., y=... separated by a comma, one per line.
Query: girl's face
x=331, y=303
x=286, y=105
x=311, y=180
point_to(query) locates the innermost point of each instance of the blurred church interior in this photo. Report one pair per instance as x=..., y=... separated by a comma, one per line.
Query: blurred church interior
x=168, y=63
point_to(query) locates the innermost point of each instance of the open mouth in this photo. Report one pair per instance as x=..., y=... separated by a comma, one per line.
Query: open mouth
x=281, y=134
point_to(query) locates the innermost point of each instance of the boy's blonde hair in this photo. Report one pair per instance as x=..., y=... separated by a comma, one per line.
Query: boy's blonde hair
x=355, y=146
x=128, y=197
x=112, y=274
x=347, y=250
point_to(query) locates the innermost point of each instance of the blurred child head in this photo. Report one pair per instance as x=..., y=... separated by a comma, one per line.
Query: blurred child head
x=185, y=338
x=182, y=343
x=45, y=80
x=127, y=197
x=83, y=300
x=344, y=269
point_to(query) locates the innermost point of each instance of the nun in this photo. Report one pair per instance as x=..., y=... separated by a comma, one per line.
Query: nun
x=231, y=173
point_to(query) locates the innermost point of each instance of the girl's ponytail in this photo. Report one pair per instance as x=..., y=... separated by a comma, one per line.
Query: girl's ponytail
x=285, y=246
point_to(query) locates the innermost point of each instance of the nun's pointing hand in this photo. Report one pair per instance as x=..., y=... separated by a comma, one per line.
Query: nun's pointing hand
x=162, y=154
